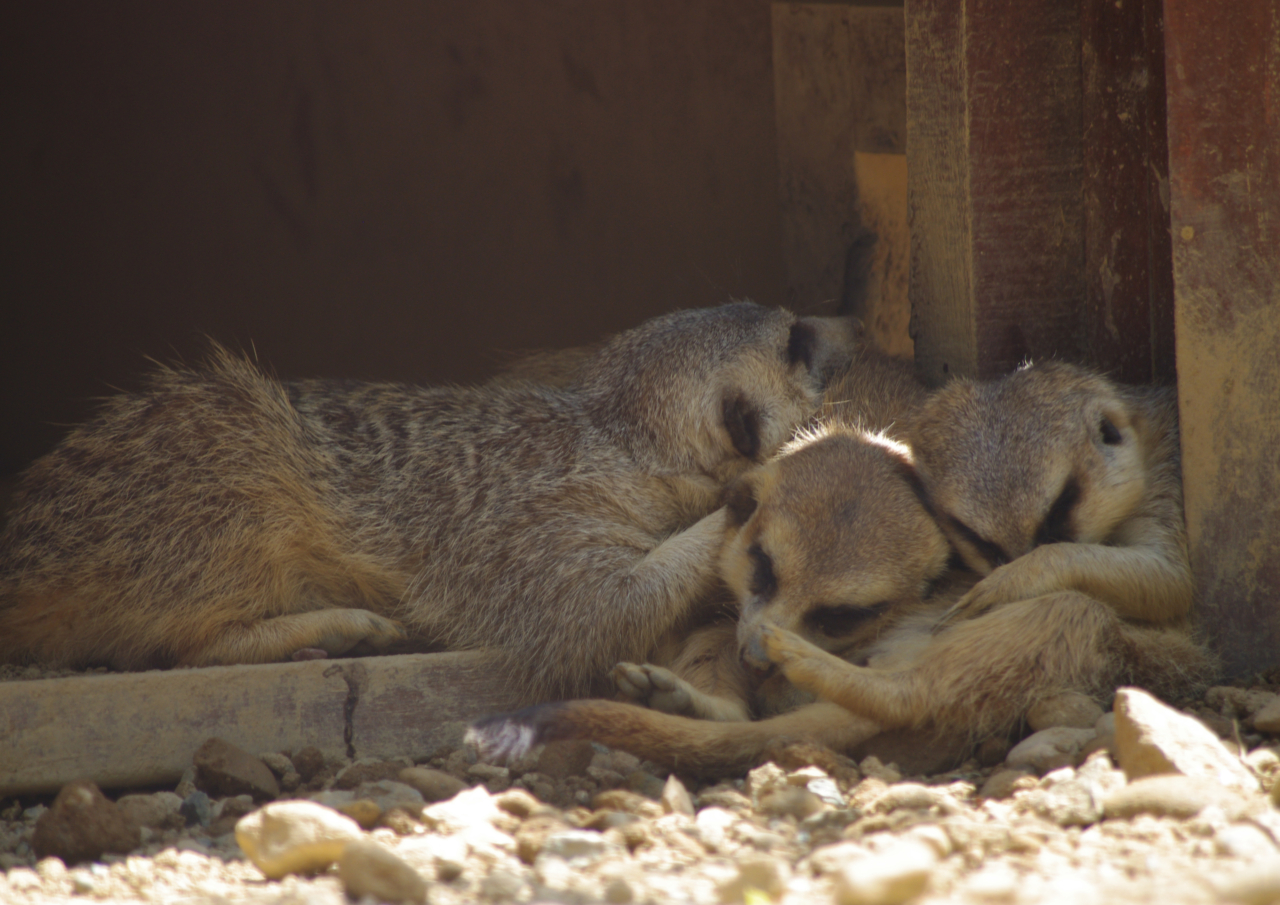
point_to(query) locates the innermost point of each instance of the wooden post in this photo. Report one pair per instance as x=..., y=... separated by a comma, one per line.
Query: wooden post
x=1224, y=177
x=1127, y=266
x=994, y=163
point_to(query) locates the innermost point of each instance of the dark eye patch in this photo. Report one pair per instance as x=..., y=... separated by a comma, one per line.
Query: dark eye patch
x=1110, y=433
x=1056, y=527
x=992, y=552
x=839, y=621
x=740, y=503
x=801, y=344
x=764, y=584
x=742, y=421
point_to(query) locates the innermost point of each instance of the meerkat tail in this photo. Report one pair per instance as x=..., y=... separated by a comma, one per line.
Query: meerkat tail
x=676, y=742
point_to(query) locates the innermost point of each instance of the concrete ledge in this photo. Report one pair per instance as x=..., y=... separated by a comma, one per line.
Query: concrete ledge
x=140, y=729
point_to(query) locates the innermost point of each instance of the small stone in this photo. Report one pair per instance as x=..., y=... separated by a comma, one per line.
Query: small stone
x=362, y=811
x=565, y=758
x=913, y=796
x=675, y=797
x=1070, y=709
x=388, y=794
x=533, y=834
x=723, y=796
x=502, y=885
x=277, y=763
x=1267, y=719
x=196, y=809
x=619, y=891
x=308, y=762
x=1239, y=703
x=1003, y=783
x=631, y=802
x=159, y=811
x=367, y=770
x=222, y=769
x=496, y=779
x=294, y=837
x=645, y=783
x=1069, y=803
x=764, y=779
x=465, y=810
x=81, y=825
x=1172, y=795
x=890, y=877
x=518, y=803
x=433, y=785
x=1049, y=749
x=1244, y=841
x=756, y=874
x=887, y=773
x=1153, y=738
x=791, y=801
x=368, y=869
x=571, y=845
x=399, y=821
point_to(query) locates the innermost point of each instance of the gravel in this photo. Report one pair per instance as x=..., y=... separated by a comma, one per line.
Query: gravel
x=579, y=823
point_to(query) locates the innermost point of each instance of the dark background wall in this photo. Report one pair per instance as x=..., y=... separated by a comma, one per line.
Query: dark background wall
x=392, y=190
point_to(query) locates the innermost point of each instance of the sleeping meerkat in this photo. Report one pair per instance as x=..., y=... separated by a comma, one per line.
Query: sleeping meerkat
x=222, y=516
x=805, y=596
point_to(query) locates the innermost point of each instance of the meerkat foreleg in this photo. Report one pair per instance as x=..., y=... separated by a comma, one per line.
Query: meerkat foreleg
x=1142, y=583
x=334, y=631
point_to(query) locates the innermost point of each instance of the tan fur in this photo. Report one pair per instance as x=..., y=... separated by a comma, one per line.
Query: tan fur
x=222, y=516
x=820, y=529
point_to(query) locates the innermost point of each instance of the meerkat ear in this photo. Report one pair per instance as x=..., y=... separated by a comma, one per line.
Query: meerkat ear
x=742, y=421
x=906, y=467
x=802, y=344
x=740, y=502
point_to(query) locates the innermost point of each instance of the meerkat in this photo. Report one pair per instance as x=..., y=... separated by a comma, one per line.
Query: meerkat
x=807, y=591
x=222, y=516
x=701, y=674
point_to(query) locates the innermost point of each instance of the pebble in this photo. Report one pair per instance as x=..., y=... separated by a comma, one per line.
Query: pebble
x=388, y=794
x=1172, y=795
x=367, y=770
x=576, y=845
x=891, y=876
x=222, y=769
x=158, y=811
x=81, y=825
x=1049, y=749
x=1004, y=783
x=308, y=762
x=368, y=869
x=675, y=797
x=432, y=785
x=565, y=758
x=1070, y=709
x=196, y=809
x=1153, y=738
x=1267, y=719
x=294, y=837
x=1239, y=703
x=756, y=874
x=496, y=779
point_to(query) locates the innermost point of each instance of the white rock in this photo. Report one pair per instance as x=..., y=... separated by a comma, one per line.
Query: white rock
x=469, y=808
x=294, y=837
x=1267, y=719
x=577, y=845
x=760, y=872
x=1246, y=841
x=913, y=796
x=368, y=869
x=1152, y=738
x=388, y=794
x=899, y=872
x=502, y=885
x=675, y=797
x=827, y=859
x=1049, y=749
x=827, y=790
x=712, y=824
x=763, y=780
x=871, y=766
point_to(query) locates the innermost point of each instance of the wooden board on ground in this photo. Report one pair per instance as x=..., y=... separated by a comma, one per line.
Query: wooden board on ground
x=140, y=729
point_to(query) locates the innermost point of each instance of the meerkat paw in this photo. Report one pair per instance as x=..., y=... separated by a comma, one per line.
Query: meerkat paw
x=356, y=632
x=655, y=687
x=1007, y=584
x=800, y=661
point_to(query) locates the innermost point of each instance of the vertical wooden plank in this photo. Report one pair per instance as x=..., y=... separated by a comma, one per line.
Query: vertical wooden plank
x=1128, y=268
x=995, y=164
x=1223, y=68
x=840, y=98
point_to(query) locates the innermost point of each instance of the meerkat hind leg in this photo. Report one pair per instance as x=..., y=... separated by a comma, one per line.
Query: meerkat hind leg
x=331, y=632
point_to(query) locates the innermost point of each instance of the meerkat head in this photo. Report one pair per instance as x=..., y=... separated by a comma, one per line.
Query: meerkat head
x=828, y=538
x=1048, y=454
x=714, y=390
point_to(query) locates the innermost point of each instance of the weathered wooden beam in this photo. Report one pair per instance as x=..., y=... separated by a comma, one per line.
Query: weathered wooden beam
x=995, y=166
x=140, y=729
x=1224, y=175
x=1128, y=268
